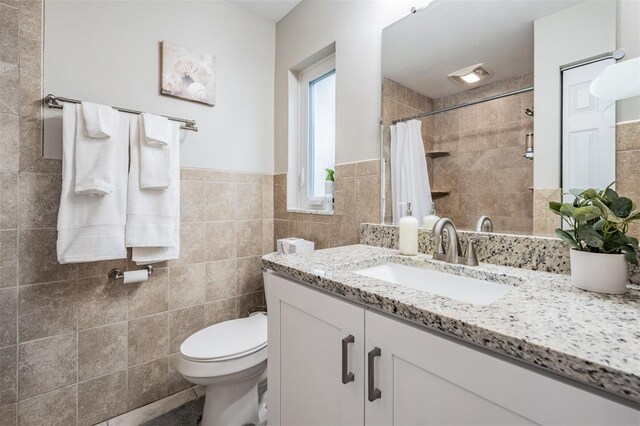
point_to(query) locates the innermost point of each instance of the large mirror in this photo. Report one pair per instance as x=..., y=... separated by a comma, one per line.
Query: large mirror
x=487, y=112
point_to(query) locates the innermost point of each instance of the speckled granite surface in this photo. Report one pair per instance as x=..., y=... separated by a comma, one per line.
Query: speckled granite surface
x=518, y=251
x=543, y=320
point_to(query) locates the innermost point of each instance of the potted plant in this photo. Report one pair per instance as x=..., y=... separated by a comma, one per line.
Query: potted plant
x=598, y=221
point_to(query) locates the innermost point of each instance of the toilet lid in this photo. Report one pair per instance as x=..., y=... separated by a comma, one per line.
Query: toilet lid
x=227, y=339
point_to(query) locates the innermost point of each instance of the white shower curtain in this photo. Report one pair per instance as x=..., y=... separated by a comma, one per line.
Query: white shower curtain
x=409, y=178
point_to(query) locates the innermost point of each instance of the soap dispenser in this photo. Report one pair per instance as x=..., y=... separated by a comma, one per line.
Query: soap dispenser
x=431, y=219
x=408, y=232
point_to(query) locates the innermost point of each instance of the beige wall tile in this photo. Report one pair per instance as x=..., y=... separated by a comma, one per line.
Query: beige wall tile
x=8, y=200
x=147, y=382
x=220, y=241
x=247, y=302
x=38, y=259
x=9, y=414
x=220, y=201
x=248, y=238
x=148, y=338
x=280, y=179
x=102, y=398
x=183, y=323
x=8, y=258
x=8, y=139
x=192, y=244
x=38, y=201
x=366, y=168
x=192, y=201
x=207, y=175
x=320, y=234
x=628, y=136
x=220, y=279
x=368, y=199
x=57, y=408
x=100, y=302
x=149, y=297
x=9, y=93
x=280, y=201
x=249, y=275
x=218, y=311
x=280, y=229
x=268, y=243
x=47, y=364
x=267, y=201
x=46, y=310
x=176, y=381
x=9, y=41
x=8, y=375
x=8, y=316
x=102, y=350
x=186, y=285
x=101, y=268
x=248, y=201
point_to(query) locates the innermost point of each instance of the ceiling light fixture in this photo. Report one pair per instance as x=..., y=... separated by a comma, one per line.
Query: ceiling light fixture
x=470, y=75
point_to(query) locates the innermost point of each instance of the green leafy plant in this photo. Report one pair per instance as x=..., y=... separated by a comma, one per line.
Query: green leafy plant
x=598, y=222
x=329, y=175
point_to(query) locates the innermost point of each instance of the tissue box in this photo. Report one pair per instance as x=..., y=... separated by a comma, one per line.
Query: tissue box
x=294, y=245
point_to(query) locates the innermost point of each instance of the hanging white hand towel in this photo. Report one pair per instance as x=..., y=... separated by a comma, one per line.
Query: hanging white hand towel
x=153, y=215
x=97, y=151
x=155, y=152
x=92, y=228
x=409, y=177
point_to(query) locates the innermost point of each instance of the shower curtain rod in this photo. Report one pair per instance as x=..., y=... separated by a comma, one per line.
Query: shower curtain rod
x=53, y=101
x=466, y=104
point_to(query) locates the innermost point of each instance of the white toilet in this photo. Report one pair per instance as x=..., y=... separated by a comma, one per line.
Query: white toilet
x=230, y=359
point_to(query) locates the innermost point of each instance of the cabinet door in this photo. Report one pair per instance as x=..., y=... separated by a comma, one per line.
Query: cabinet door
x=426, y=379
x=305, y=372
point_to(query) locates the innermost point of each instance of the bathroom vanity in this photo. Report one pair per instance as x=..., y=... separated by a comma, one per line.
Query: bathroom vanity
x=361, y=335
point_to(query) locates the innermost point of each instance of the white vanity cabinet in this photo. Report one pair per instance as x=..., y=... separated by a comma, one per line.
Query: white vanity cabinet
x=402, y=374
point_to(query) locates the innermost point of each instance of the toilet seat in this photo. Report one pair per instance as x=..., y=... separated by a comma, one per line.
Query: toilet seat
x=227, y=340
x=225, y=349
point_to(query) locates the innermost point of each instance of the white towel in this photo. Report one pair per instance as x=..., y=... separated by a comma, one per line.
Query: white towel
x=155, y=155
x=99, y=120
x=156, y=129
x=92, y=228
x=153, y=215
x=96, y=157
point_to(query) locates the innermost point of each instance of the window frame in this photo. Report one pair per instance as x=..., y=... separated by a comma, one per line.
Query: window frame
x=311, y=75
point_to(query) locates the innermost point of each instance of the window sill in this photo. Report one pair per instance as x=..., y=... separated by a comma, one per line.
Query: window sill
x=311, y=211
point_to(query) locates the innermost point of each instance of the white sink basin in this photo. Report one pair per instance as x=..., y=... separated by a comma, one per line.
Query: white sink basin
x=463, y=289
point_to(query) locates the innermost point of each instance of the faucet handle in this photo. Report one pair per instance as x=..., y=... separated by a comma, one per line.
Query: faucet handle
x=470, y=257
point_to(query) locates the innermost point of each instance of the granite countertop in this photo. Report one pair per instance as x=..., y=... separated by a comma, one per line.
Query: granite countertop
x=544, y=321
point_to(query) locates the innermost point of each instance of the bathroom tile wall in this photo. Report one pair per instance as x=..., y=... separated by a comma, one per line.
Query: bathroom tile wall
x=486, y=143
x=74, y=347
x=628, y=164
x=357, y=200
x=399, y=101
x=486, y=172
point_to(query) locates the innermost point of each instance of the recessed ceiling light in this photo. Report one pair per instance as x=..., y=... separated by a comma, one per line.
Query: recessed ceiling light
x=470, y=75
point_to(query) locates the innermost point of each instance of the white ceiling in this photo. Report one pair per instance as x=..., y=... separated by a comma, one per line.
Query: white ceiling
x=271, y=10
x=421, y=49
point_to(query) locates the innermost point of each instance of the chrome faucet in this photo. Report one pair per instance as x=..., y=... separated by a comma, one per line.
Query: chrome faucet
x=484, y=224
x=454, y=253
x=454, y=250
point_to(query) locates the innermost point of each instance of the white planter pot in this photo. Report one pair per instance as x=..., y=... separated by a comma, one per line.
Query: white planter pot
x=602, y=273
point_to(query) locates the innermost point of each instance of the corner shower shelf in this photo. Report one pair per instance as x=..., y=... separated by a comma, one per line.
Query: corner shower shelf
x=437, y=154
x=440, y=193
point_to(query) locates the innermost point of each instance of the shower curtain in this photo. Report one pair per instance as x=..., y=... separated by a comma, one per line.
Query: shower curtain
x=409, y=178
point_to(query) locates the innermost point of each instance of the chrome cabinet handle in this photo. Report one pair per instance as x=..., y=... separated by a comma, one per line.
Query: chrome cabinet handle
x=373, y=392
x=346, y=375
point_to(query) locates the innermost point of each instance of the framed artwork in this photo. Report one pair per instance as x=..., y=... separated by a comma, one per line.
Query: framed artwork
x=188, y=74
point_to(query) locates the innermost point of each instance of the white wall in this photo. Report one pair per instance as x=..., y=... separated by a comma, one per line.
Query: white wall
x=579, y=32
x=108, y=52
x=356, y=28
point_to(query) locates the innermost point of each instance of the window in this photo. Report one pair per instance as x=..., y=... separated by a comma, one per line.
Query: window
x=317, y=131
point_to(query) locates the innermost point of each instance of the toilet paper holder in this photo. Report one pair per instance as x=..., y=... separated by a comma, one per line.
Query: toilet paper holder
x=117, y=274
